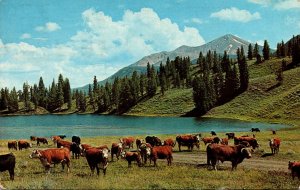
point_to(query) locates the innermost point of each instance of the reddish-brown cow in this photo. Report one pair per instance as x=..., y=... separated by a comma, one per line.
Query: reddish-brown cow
x=64, y=144
x=24, y=144
x=189, y=141
x=127, y=142
x=41, y=140
x=252, y=141
x=85, y=146
x=132, y=156
x=170, y=142
x=116, y=149
x=274, y=145
x=295, y=169
x=161, y=152
x=12, y=145
x=55, y=139
x=95, y=157
x=52, y=156
x=208, y=140
x=224, y=141
x=145, y=150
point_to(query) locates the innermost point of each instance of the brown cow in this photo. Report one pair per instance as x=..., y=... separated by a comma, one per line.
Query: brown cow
x=132, y=156
x=274, y=145
x=161, y=152
x=52, y=156
x=235, y=154
x=127, y=142
x=208, y=140
x=138, y=142
x=12, y=145
x=95, y=157
x=145, y=151
x=24, y=144
x=224, y=141
x=41, y=140
x=85, y=146
x=295, y=169
x=63, y=144
x=153, y=140
x=189, y=141
x=252, y=141
x=116, y=149
x=55, y=139
x=170, y=142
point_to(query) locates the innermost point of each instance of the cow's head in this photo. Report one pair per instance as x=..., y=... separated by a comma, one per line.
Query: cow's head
x=35, y=154
x=105, y=152
x=246, y=152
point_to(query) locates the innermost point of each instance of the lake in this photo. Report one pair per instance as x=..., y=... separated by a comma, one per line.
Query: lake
x=18, y=127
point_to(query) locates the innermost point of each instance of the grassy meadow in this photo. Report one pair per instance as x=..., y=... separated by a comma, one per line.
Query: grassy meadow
x=30, y=173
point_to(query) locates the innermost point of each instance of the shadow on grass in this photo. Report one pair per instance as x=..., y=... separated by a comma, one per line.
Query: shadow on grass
x=266, y=155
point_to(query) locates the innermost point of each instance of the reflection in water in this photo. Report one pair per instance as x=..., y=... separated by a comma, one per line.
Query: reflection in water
x=17, y=127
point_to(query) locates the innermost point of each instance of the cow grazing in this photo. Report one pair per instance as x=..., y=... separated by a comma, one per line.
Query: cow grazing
x=12, y=145
x=55, y=139
x=22, y=144
x=8, y=162
x=145, y=151
x=230, y=135
x=274, y=145
x=154, y=141
x=127, y=142
x=95, y=157
x=189, y=141
x=295, y=169
x=213, y=133
x=76, y=150
x=161, y=152
x=41, y=140
x=250, y=140
x=170, y=142
x=62, y=136
x=208, y=140
x=76, y=139
x=116, y=149
x=52, y=156
x=132, y=156
x=63, y=144
x=274, y=132
x=255, y=130
x=235, y=154
x=224, y=141
x=138, y=142
x=33, y=138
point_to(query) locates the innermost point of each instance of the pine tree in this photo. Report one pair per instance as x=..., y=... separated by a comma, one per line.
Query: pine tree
x=162, y=79
x=116, y=90
x=60, y=93
x=250, y=52
x=13, y=105
x=255, y=50
x=67, y=93
x=142, y=84
x=35, y=96
x=92, y=102
x=225, y=62
x=282, y=49
x=200, y=95
x=266, y=50
x=95, y=85
x=243, y=70
x=42, y=96
x=4, y=99
x=151, y=84
x=218, y=80
x=135, y=86
x=26, y=96
x=52, y=97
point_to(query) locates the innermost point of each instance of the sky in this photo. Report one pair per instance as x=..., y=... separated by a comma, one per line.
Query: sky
x=85, y=38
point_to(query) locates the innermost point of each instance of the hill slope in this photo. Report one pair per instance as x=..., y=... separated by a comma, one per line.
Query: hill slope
x=262, y=99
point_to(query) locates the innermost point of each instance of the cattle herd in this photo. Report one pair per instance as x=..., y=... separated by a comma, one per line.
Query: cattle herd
x=153, y=148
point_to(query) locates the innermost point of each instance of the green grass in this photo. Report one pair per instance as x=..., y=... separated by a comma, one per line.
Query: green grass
x=30, y=173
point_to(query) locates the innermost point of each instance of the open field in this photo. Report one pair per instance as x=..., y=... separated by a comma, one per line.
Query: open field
x=187, y=171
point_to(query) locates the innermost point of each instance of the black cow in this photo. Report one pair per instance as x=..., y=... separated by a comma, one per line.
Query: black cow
x=255, y=130
x=153, y=141
x=62, y=136
x=76, y=139
x=76, y=150
x=8, y=162
x=213, y=133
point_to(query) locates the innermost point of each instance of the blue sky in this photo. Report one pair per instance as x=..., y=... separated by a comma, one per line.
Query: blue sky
x=81, y=39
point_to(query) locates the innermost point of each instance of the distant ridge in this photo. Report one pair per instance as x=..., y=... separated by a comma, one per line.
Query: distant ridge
x=228, y=43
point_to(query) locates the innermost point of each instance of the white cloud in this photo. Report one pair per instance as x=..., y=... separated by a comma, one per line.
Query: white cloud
x=25, y=36
x=101, y=48
x=48, y=27
x=234, y=14
x=261, y=2
x=287, y=4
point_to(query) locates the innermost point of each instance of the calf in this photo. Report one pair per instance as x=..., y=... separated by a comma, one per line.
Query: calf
x=230, y=135
x=235, y=154
x=52, y=156
x=127, y=142
x=95, y=157
x=76, y=139
x=41, y=140
x=132, y=156
x=12, y=145
x=189, y=141
x=24, y=144
x=145, y=151
x=295, y=169
x=170, y=142
x=76, y=150
x=8, y=162
x=161, y=152
x=274, y=145
x=116, y=149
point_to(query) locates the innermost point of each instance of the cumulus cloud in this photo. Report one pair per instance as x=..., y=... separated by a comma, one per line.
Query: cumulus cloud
x=235, y=14
x=25, y=36
x=48, y=27
x=261, y=2
x=287, y=4
x=101, y=48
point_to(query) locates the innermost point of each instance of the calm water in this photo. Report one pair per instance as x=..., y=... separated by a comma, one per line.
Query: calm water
x=18, y=127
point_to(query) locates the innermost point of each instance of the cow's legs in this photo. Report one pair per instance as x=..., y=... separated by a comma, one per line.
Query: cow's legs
x=11, y=174
x=179, y=147
x=97, y=168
